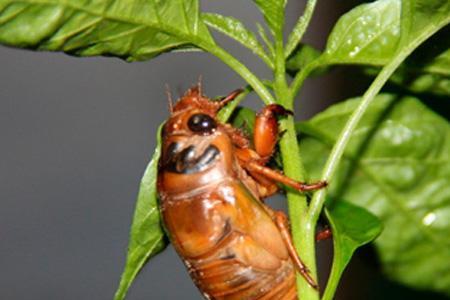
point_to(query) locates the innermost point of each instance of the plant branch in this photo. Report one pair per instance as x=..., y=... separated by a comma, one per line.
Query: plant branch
x=300, y=27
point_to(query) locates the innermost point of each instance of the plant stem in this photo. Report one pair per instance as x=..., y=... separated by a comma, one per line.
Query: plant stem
x=297, y=203
x=242, y=70
x=300, y=27
x=300, y=77
x=293, y=167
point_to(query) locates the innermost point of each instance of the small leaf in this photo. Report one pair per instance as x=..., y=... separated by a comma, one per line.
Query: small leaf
x=237, y=30
x=147, y=237
x=130, y=29
x=352, y=227
x=273, y=12
x=397, y=165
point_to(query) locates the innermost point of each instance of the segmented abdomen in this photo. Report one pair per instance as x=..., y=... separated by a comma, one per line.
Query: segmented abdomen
x=223, y=274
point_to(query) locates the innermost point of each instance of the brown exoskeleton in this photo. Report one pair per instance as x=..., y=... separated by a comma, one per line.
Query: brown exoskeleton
x=211, y=185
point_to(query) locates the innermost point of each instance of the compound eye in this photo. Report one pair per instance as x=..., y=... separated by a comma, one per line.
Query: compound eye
x=201, y=123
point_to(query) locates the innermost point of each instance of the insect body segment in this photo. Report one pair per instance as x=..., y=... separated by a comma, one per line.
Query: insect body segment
x=211, y=185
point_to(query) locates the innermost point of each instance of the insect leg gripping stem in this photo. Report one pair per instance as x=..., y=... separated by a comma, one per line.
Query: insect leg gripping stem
x=283, y=225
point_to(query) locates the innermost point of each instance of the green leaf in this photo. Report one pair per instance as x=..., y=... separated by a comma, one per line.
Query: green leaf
x=243, y=118
x=131, y=29
x=368, y=34
x=422, y=82
x=236, y=29
x=381, y=33
x=147, y=237
x=373, y=33
x=397, y=165
x=352, y=227
x=273, y=12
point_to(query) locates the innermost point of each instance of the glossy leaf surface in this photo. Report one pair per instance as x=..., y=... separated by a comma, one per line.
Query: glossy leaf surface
x=397, y=165
x=368, y=34
x=147, y=237
x=374, y=33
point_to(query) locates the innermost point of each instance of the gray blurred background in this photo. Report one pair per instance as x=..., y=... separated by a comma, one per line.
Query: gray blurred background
x=76, y=135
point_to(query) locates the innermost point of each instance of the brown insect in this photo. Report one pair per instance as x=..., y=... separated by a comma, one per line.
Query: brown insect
x=211, y=185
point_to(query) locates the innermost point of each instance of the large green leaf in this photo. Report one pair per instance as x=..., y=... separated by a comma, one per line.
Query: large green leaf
x=352, y=227
x=132, y=29
x=147, y=237
x=397, y=165
x=273, y=11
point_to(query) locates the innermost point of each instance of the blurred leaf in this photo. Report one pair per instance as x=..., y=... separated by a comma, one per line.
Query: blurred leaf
x=131, y=29
x=422, y=82
x=273, y=12
x=397, y=165
x=301, y=57
x=352, y=227
x=147, y=237
x=427, y=70
x=237, y=30
x=243, y=118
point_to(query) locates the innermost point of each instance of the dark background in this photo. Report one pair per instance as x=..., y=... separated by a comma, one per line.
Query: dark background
x=76, y=135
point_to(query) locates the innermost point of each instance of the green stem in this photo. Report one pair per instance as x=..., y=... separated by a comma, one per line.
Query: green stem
x=300, y=77
x=293, y=167
x=242, y=70
x=303, y=239
x=300, y=27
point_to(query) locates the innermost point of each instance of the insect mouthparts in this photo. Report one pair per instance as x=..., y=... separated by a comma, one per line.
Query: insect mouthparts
x=186, y=162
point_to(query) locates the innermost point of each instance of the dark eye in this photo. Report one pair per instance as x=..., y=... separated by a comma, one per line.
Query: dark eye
x=201, y=123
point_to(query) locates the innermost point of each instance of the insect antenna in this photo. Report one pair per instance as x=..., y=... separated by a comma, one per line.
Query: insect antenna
x=200, y=85
x=169, y=98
